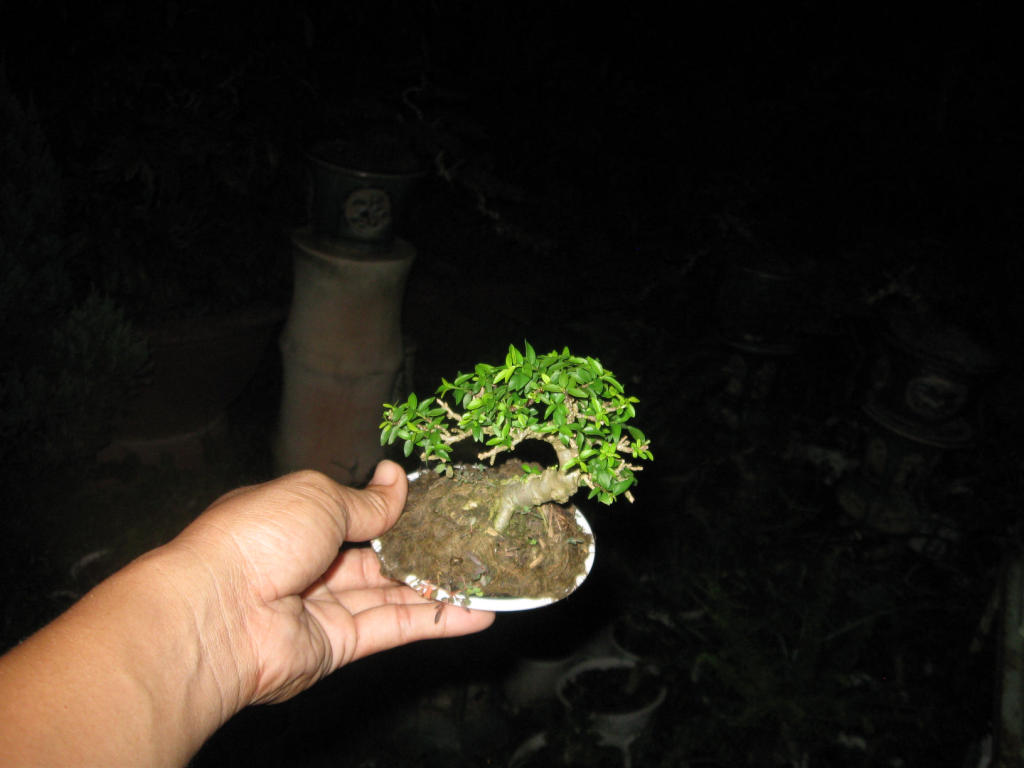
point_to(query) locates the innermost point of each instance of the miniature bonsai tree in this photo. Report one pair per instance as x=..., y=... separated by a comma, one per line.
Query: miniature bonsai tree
x=571, y=403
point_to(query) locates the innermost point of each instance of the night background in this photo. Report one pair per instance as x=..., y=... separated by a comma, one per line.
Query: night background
x=766, y=221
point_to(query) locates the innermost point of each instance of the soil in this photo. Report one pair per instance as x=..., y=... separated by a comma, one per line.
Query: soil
x=444, y=537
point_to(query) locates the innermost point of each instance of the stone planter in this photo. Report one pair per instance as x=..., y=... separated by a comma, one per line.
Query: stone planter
x=342, y=354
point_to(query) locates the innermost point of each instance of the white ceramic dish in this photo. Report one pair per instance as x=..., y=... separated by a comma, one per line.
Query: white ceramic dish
x=485, y=603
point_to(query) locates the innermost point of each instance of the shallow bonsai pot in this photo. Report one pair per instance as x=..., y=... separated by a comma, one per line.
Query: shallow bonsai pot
x=493, y=603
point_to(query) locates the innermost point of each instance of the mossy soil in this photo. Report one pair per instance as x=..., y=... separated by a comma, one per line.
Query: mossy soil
x=445, y=537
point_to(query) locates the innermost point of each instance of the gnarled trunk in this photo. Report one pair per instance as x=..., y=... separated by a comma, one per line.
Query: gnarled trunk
x=534, y=490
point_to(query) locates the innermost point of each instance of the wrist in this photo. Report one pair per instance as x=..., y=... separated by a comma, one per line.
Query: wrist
x=206, y=622
x=142, y=668
x=176, y=639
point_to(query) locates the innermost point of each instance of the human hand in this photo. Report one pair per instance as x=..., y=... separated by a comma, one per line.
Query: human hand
x=295, y=609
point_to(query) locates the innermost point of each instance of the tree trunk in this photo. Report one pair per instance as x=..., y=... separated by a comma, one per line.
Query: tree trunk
x=534, y=490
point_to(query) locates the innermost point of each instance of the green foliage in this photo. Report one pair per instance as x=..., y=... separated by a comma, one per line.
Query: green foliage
x=573, y=403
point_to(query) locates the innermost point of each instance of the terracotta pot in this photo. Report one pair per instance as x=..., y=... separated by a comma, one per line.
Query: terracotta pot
x=342, y=354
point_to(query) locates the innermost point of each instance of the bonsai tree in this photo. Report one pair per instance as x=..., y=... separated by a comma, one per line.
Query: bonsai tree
x=571, y=403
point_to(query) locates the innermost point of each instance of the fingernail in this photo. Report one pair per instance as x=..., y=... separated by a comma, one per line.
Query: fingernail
x=386, y=473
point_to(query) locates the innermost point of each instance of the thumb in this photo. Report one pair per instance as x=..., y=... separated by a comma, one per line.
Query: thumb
x=377, y=507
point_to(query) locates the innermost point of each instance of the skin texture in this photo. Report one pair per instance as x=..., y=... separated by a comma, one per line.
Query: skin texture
x=251, y=603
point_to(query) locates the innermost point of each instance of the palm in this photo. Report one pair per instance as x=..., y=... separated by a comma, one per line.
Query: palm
x=308, y=609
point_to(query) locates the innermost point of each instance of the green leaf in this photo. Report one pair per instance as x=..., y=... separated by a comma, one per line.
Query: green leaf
x=622, y=486
x=412, y=402
x=407, y=448
x=581, y=438
x=531, y=356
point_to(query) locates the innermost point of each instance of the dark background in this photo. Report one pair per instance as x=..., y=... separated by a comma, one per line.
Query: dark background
x=606, y=169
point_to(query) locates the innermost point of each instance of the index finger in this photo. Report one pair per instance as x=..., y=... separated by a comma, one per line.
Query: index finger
x=393, y=624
